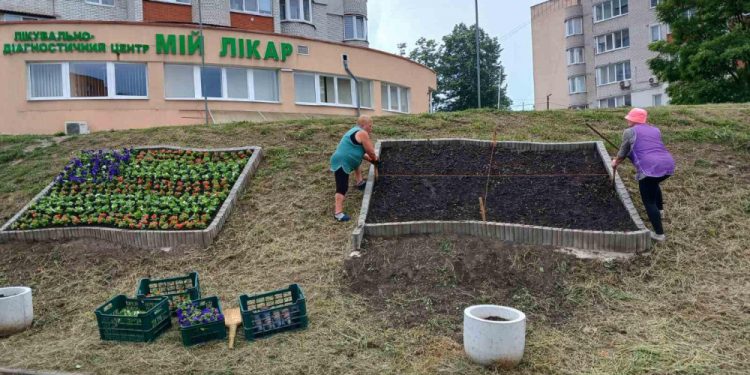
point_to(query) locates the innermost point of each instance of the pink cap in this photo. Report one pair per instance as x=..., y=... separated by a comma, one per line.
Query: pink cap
x=637, y=115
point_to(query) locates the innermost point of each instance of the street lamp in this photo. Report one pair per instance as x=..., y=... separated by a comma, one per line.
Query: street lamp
x=479, y=84
x=203, y=61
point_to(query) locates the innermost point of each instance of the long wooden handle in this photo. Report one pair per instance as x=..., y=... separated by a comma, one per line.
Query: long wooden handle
x=602, y=136
x=232, y=334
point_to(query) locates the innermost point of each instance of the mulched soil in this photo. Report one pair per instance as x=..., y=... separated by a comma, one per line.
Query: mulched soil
x=458, y=159
x=429, y=280
x=537, y=194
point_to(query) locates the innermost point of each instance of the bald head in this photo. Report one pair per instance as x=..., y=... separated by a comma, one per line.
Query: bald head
x=365, y=122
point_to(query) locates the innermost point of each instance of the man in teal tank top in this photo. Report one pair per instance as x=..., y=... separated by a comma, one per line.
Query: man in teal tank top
x=354, y=146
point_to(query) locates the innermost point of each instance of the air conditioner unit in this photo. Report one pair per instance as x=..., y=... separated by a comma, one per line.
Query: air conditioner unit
x=76, y=127
x=624, y=85
x=653, y=81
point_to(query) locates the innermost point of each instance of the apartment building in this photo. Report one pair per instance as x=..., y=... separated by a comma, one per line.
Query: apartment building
x=333, y=20
x=594, y=54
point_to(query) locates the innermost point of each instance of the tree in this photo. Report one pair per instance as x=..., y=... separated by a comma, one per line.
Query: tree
x=706, y=58
x=427, y=53
x=401, y=49
x=455, y=64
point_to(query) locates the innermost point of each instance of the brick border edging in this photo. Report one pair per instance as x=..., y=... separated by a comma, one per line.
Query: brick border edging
x=144, y=238
x=628, y=242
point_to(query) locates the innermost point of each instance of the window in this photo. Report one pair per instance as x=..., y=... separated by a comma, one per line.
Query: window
x=657, y=100
x=345, y=91
x=327, y=89
x=574, y=26
x=17, y=17
x=237, y=85
x=365, y=93
x=82, y=80
x=654, y=3
x=614, y=102
x=394, y=98
x=311, y=88
x=45, y=80
x=179, y=81
x=577, y=84
x=251, y=6
x=690, y=13
x=224, y=83
x=304, y=88
x=575, y=56
x=102, y=2
x=656, y=33
x=613, y=73
x=211, y=82
x=176, y=1
x=130, y=79
x=265, y=85
x=355, y=27
x=296, y=10
x=88, y=79
x=612, y=41
x=610, y=9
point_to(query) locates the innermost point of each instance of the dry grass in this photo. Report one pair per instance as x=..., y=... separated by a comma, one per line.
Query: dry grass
x=682, y=310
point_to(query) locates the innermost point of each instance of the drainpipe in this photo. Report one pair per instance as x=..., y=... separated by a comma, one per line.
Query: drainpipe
x=345, y=58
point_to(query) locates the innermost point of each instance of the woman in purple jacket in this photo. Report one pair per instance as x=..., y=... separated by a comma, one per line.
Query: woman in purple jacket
x=653, y=163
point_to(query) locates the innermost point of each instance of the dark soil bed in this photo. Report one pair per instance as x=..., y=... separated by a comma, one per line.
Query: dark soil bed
x=562, y=189
x=458, y=159
x=563, y=202
x=429, y=280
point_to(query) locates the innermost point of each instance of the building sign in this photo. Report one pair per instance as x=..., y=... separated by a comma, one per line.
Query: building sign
x=166, y=44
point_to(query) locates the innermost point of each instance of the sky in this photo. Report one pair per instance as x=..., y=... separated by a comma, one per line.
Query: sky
x=404, y=21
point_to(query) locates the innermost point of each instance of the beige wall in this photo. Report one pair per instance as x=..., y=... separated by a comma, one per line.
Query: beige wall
x=548, y=47
x=23, y=116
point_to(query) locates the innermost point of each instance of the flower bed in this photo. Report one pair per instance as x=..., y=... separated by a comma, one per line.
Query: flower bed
x=138, y=189
x=155, y=190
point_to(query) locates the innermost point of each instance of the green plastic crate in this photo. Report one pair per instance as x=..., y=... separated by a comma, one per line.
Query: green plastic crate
x=204, y=332
x=145, y=327
x=175, y=288
x=269, y=313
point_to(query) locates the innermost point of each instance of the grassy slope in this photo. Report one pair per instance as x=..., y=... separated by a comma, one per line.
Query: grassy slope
x=684, y=309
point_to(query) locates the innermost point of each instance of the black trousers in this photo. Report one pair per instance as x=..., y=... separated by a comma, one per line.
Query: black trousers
x=652, y=200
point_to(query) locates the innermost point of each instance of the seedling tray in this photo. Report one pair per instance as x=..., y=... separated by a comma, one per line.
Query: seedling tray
x=177, y=289
x=145, y=327
x=204, y=332
x=269, y=313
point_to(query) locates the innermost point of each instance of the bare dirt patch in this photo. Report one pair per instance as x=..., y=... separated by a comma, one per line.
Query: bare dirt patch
x=429, y=280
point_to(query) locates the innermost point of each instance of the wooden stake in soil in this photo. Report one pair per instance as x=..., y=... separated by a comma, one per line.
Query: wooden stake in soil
x=482, y=211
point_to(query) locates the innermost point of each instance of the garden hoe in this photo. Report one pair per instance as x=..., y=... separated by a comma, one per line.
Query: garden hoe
x=232, y=319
